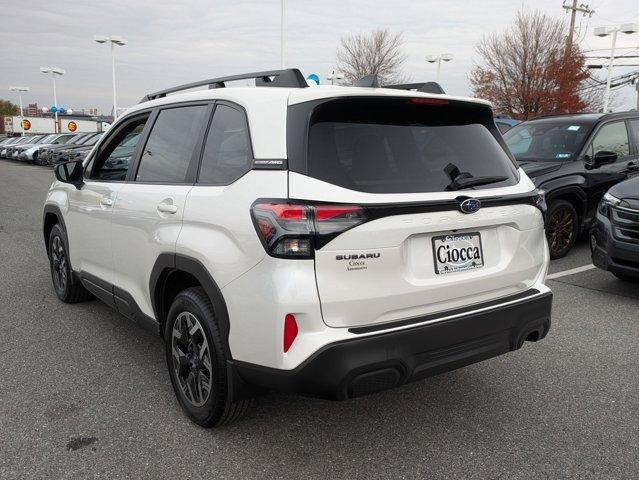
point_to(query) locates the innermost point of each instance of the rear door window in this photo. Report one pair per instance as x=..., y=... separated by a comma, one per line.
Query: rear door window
x=168, y=152
x=406, y=145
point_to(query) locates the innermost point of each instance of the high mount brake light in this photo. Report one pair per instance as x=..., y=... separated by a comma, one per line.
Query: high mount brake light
x=428, y=101
x=296, y=230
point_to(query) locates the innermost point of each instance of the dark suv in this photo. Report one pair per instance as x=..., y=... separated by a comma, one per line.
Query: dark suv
x=614, y=239
x=575, y=159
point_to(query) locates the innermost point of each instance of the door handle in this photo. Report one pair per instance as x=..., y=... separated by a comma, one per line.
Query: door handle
x=106, y=202
x=167, y=208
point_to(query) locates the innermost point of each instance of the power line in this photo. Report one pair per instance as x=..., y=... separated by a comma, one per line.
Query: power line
x=584, y=9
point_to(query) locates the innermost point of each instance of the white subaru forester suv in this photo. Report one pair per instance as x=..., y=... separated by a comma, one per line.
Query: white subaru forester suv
x=330, y=241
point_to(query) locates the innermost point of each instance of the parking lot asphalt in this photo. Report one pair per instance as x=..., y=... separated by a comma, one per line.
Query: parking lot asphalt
x=84, y=393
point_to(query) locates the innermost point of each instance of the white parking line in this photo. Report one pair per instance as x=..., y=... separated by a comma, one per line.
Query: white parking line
x=572, y=271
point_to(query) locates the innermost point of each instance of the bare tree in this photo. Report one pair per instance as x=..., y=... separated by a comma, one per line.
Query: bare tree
x=527, y=72
x=378, y=53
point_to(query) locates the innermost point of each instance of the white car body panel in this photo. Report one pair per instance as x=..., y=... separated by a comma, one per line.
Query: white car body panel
x=140, y=233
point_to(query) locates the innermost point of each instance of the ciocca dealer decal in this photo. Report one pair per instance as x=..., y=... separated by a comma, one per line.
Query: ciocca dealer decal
x=357, y=261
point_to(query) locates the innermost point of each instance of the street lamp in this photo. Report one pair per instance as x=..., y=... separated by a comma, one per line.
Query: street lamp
x=113, y=40
x=282, y=6
x=628, y=29
x=54, y=71
x=335, y=76
x=20, y=90
x=438, y=59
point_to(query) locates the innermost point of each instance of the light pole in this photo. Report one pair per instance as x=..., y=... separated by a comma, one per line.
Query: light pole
x=54, y=71
x=627, y=28
x=335, y=76
x=282, y=33
x=113, y=40
x=438, y=59
x=20, y=90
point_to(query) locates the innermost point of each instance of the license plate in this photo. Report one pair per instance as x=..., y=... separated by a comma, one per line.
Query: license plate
x=457, y=252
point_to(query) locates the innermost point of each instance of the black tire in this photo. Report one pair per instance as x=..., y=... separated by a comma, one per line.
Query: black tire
x=190, y=372
x=64, y=285
x=562, y=228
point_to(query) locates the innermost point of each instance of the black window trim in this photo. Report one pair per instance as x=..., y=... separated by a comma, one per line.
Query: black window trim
x=114, y=132
x=195, y=155
x=242, y=110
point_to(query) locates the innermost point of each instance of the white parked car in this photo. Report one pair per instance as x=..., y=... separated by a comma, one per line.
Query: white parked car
x=332, y=241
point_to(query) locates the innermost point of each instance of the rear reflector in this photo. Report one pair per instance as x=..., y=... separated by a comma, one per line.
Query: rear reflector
x=290, y=331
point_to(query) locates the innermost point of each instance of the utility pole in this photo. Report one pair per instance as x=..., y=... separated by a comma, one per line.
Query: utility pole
x=583, y=8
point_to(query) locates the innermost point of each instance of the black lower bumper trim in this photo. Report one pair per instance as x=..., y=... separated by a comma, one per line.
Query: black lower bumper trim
x=376, y=362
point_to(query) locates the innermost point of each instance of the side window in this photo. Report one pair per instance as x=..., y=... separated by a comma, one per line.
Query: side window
x=114, y=159
x=634, y=128
x=168, y=152
x=612, y=137
x=227, y=152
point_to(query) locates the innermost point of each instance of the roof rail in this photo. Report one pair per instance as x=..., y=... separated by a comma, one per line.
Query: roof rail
x=426, y=87
x=372, y=81
x=288, y=78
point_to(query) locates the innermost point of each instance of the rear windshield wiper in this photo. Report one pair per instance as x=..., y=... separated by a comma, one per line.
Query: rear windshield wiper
x=465, y=182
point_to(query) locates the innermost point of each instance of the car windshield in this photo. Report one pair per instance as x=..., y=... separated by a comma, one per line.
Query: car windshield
x=85, y=140
x=46, y=139
x=34, y=139
x=547, y=141
x=92, y=141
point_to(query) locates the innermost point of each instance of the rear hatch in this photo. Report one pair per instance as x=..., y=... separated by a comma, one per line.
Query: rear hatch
x=415, y=167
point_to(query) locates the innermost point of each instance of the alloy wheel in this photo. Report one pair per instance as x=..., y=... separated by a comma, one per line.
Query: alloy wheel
x=59, y=264
x=561, y=229
x=191, y=358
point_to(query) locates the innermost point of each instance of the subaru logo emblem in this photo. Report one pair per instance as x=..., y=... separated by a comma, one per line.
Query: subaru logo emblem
x=470, y=205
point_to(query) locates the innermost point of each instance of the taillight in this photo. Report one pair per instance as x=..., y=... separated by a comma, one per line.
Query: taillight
x=296, y=230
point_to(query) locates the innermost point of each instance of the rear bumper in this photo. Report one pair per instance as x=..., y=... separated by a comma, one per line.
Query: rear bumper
x=377, y=362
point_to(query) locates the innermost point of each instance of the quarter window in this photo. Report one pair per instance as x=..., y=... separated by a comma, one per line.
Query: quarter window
x=612, y=137
x=168, y=152
x=227, y=153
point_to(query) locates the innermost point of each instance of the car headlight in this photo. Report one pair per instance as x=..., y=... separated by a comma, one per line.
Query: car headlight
x=607, y=201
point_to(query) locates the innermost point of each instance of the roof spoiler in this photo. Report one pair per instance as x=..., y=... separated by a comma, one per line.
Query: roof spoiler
x=288, y=78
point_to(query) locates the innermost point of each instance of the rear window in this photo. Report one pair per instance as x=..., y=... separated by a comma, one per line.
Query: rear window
x=405, y=145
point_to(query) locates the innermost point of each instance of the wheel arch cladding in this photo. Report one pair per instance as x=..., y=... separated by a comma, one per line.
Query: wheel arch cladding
x=51, y=215
x=173, y=273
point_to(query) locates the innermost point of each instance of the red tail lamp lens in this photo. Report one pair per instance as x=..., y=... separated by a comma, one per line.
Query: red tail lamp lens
x=290, y=331
x=293, y=230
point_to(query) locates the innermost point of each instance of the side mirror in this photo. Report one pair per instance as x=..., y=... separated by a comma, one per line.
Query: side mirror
x=70, y=172
x=604, y=157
